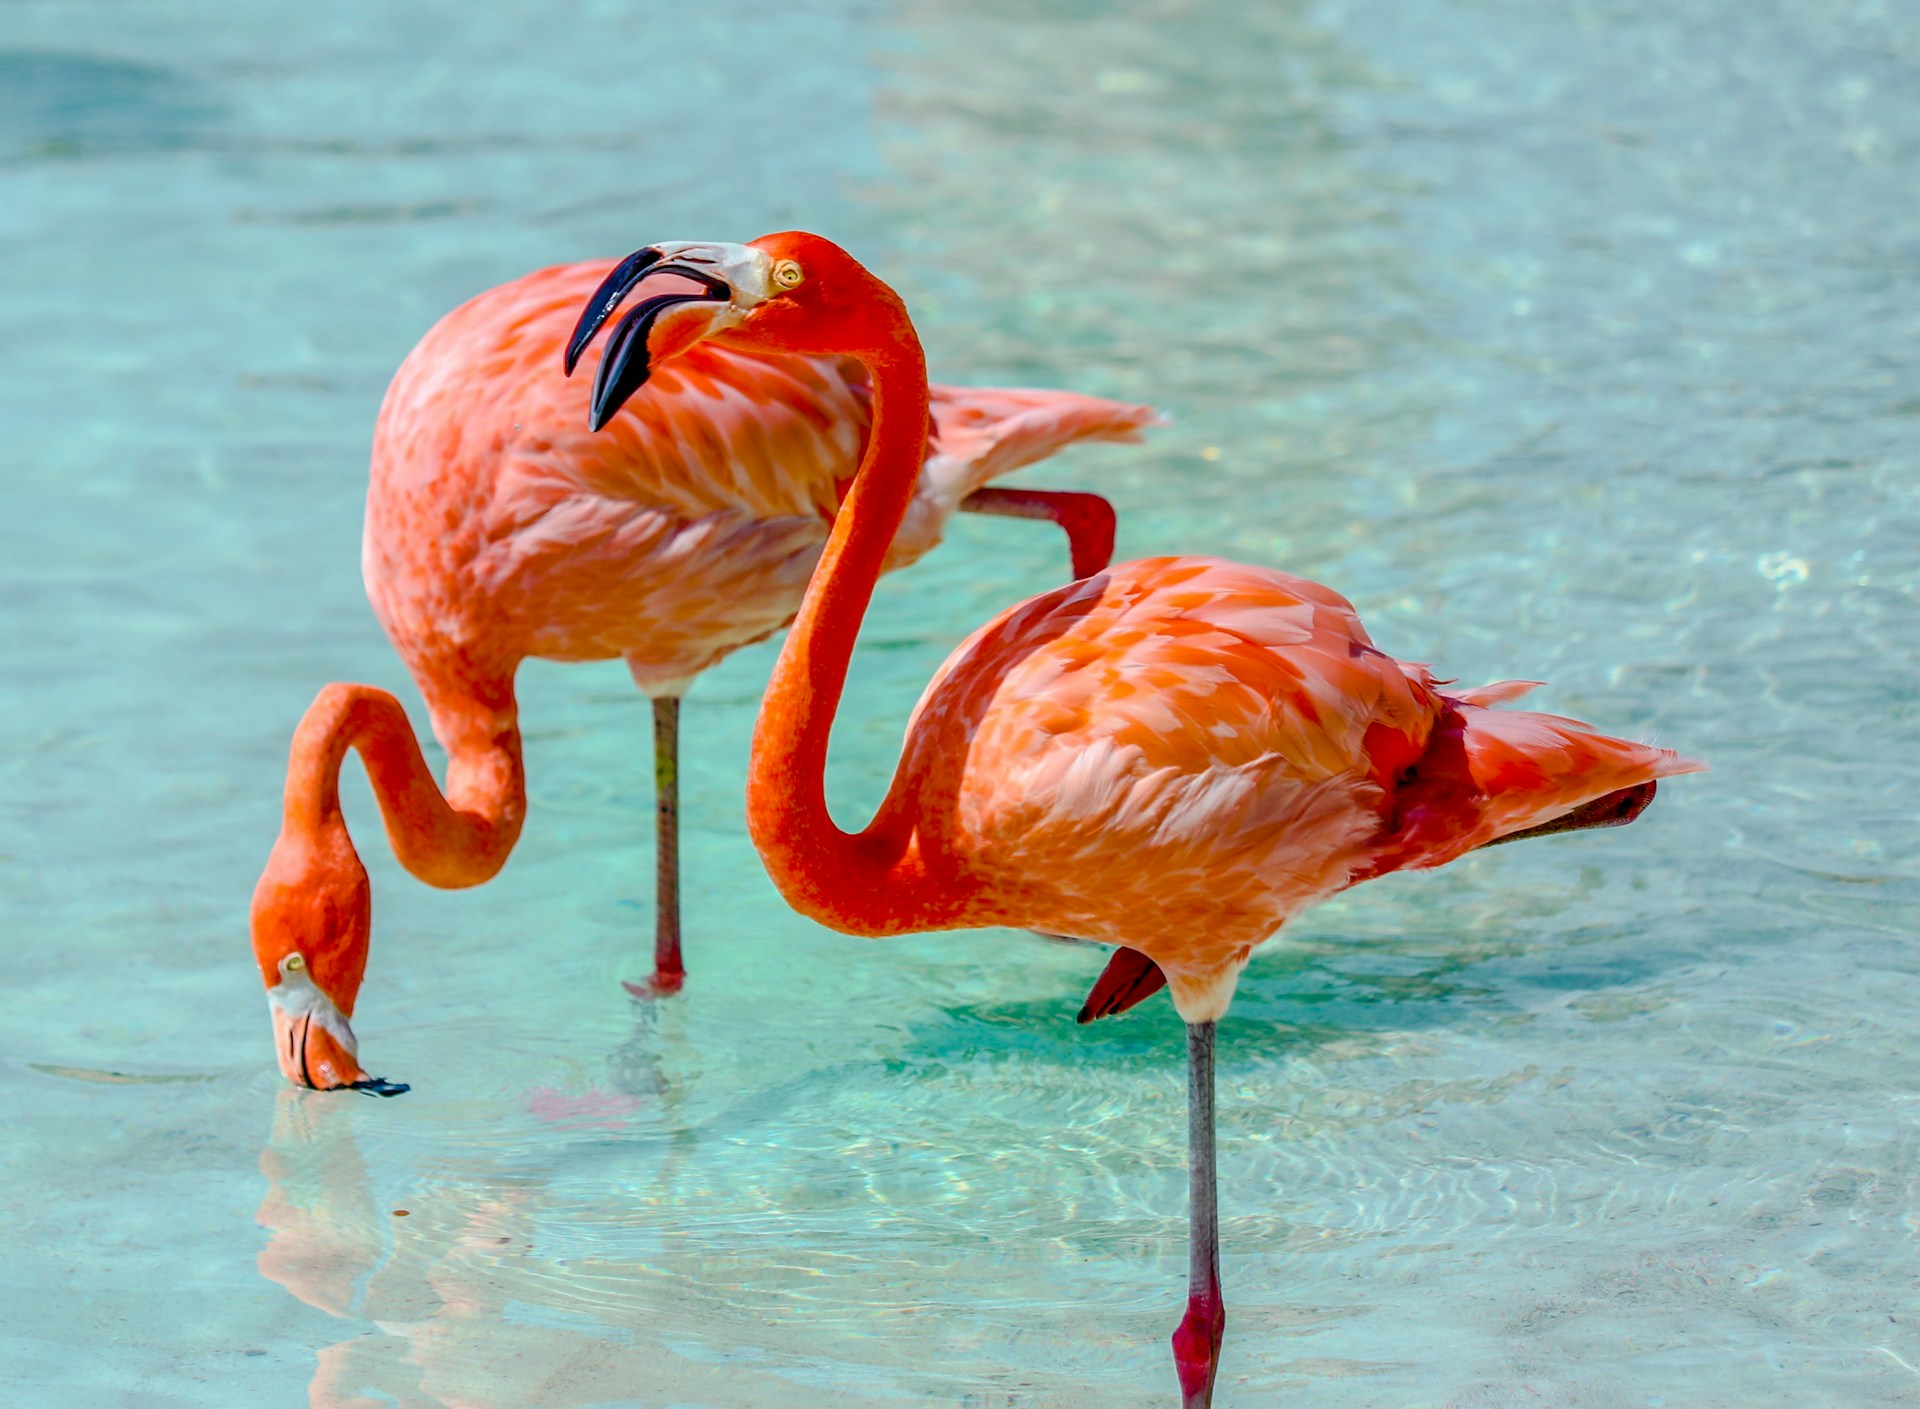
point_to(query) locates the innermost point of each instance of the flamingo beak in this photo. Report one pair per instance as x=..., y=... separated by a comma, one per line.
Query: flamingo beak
x=317, y=1050
x=731, y=279
x=613, y=289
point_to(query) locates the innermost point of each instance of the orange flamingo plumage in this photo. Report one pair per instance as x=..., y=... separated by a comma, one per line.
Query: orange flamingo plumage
x=499, y=527
x=1174, y=756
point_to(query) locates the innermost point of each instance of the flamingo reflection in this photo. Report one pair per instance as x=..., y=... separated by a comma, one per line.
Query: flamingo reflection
x=479, y=1297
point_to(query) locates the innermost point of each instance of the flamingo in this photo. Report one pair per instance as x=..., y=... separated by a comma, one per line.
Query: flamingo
x=498, y=528
x=1174, y=756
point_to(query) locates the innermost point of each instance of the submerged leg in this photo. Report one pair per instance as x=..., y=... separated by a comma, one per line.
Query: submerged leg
x=1087, y=519
x=669, y=972
x=1196, y=1343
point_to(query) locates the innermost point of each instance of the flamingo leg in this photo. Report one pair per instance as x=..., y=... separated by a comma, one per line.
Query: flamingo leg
x=1087, y=519
x=1130, y=977
x=669, y=971
x=1196, y=1342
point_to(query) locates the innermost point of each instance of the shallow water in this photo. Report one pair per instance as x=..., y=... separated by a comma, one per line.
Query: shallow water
x=1571, y=345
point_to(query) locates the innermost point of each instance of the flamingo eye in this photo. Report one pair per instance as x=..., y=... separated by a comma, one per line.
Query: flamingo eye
x=295, y=963
x=787, y=274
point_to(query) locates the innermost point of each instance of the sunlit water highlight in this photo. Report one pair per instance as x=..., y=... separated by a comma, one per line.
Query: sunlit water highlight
x=1572, y=345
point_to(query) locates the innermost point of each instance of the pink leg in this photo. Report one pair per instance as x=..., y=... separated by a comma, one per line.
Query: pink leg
x=1087, y=518
x=1130, y=977
x=1196, y=1343
x=669, y=971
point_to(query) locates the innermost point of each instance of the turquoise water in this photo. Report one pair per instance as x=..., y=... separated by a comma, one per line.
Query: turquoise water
x=1574, y=343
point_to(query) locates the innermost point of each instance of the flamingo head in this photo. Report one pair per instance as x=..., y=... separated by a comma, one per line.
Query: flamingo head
x=791, y=292
x=312, y=917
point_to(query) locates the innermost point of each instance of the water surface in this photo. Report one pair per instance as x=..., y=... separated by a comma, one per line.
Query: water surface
x=1572, y=345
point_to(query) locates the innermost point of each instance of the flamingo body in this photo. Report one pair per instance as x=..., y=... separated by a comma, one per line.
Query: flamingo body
x=1180, y=754
x=498, y=528
x=1175, y=755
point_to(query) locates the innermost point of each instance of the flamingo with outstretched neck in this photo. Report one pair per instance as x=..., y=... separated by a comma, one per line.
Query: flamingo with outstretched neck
x=1175, y=756
x=500, y=527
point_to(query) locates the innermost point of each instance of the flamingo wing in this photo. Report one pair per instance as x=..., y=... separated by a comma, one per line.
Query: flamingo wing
x=483, y=396
x=1181, y=753
x=684, y=529
x=1178, y=747
x=1487, y=774
x=982, y=433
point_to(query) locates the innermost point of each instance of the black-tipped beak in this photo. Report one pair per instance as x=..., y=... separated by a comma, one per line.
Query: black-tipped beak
x=379, y=1086
x=625, y=367
x=606, y=298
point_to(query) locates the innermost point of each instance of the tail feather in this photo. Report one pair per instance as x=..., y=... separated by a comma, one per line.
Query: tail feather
x=1615, y=809
x=1532, y=768
x=981, y=433
x=1491, y=774
x=1499, y=692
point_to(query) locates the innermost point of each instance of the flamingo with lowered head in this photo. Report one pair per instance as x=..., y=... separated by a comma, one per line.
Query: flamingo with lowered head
x=500, y=527
x=1175, y=756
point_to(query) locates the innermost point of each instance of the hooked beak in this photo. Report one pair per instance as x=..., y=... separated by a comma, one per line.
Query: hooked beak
x=733, y=279
x=316, y=1048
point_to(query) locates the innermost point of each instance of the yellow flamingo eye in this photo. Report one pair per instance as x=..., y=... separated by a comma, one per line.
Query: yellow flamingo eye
x=787, y=274
x=295, y=963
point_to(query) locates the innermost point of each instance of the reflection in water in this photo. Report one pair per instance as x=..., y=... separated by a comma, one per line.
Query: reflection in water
x=492, y=1292
x=318, y=1207
x=643, y=1238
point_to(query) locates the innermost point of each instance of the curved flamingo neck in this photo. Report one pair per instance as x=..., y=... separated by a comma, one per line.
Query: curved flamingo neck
x=313, y=898
x=892, y=877
x=453, y=840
